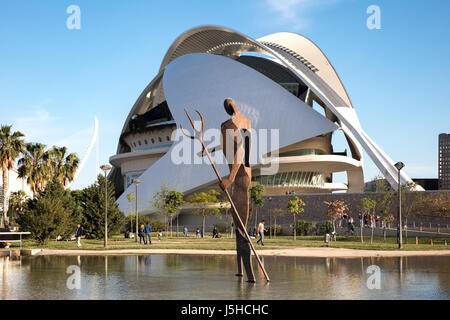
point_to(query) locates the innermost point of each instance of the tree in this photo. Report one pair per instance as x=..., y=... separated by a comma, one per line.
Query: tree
x=256, y=192
x=368, y=205
x=436, y=205
x=131, y=198
x=204, y=204
x=93, y=209
x=225, y=206
x=335, y=210
x=159, y=202
x=17, y=203
x=11, y=145
x=276, y=213
x=62, y=165
x=410, y=202
x=173, y=202
x=295, y=207
x=34, y=167
x=53, y=212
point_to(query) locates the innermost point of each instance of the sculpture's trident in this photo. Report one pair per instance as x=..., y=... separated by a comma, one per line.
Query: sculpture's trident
x=198, y=134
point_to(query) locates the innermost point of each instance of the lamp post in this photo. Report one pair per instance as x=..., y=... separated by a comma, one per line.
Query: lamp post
x=399, y=166
x=106, y=168
x=270, y=222
x=136, y=183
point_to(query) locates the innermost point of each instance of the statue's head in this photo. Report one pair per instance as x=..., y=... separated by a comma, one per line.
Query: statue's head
x=230, y=106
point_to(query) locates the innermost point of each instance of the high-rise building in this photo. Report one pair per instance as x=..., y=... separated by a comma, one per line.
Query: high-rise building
x=444, y=161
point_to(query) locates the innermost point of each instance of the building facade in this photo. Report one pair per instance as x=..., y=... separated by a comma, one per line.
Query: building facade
x=282, y=82
x=444, y=161
x=14, y=184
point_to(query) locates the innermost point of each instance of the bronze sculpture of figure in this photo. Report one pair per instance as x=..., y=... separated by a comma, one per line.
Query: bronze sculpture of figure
x=236, y=147
x=236, y=134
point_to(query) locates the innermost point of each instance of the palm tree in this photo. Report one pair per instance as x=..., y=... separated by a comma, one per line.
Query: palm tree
x=34, y=166
x=63, y=166
x=10, y=148
x=17, y=200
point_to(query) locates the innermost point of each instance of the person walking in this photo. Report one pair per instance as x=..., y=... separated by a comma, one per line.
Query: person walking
x=185, y=231
x=197, y=233
x=141, y=234
x=215, y=232
x=148, y=233
x=261, y=232
x=78, y=234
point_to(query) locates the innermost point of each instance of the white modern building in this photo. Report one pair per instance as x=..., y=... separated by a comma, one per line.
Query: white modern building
x=14, y=184
x=282, y=82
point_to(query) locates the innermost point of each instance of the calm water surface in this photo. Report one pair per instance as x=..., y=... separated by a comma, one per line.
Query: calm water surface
x=212, y=277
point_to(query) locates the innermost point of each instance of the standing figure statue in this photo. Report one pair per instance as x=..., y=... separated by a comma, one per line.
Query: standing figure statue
x=236, y=133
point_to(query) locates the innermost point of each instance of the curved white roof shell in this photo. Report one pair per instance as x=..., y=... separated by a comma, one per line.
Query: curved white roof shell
x=194, y=75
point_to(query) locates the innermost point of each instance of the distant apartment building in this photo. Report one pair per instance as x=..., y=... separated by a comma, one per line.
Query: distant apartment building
x=444, y=161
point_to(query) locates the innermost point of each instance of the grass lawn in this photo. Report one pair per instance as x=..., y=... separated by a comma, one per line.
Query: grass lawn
x=207, y=243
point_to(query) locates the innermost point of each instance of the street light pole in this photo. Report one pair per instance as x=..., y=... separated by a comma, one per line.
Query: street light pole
x=399, y=166
x=136, y=183
x=270, y=222
x=106, y=168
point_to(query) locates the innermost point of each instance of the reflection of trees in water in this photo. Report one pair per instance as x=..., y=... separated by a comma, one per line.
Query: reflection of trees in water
x=40, y=277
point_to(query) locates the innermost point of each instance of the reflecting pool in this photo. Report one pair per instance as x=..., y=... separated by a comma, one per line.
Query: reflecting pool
x=212, y=277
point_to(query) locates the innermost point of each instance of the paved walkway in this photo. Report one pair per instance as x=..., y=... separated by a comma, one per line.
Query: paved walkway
x=295, y=252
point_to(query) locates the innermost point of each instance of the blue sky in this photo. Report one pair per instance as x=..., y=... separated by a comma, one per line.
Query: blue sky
x=54, y=80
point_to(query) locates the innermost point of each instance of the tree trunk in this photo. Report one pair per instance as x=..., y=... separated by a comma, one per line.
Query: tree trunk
x=295, y=231
x=406, y=230
x=177, y=224
x=4, y=220
x=361, y=227
x=256, y=217
x=275, y=233
x=334, y=230
x=371, y=235
x=203, y=230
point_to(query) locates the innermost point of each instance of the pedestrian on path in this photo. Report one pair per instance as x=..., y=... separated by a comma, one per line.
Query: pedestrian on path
x=261, y=232
x=78, y=234
x=148, y=233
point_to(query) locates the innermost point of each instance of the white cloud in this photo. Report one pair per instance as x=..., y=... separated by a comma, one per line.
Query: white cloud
x=41, y=126
x=36, y=125
x=295, y=12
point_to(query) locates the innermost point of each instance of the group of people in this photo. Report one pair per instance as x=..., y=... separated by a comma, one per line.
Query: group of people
x=348, y=221
x=145, y=233
x=290, y=192
x=370, y=221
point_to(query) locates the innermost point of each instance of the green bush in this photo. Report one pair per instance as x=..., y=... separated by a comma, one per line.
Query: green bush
x=325, y=227
x=156, y=225
x=302, y=227
x=276, y=229
x=91, y=200
x=222, y=227
x=46, y=219
x=52, y=213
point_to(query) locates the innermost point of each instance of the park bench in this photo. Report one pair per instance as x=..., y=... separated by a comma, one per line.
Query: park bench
x=12, y=237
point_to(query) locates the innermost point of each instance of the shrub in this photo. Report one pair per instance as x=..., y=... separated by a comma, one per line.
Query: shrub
x=156, y=225
x=46, y=219
x=92, y=203
x=325, y=227
x=53, y=212
x=222, y=227
x=276, y=229
x=302, y=227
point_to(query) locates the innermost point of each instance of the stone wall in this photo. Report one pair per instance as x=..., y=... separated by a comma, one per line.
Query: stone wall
x=315, y=210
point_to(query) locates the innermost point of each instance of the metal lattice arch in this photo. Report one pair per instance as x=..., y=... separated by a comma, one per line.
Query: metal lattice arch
x=284, y=69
